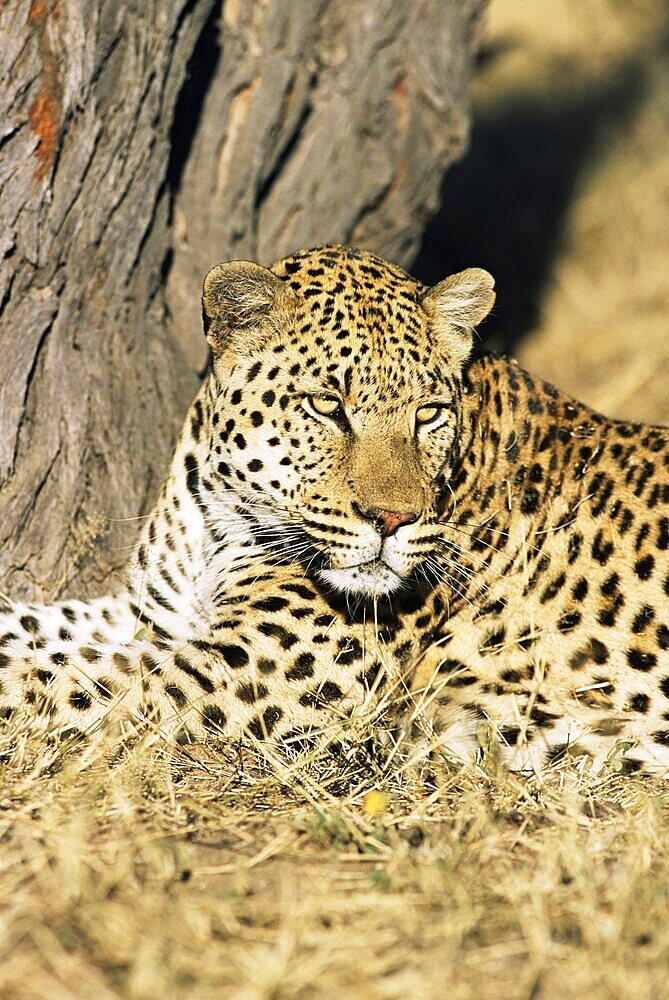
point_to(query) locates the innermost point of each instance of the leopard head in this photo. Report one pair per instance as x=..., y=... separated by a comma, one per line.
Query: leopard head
x=337, y=383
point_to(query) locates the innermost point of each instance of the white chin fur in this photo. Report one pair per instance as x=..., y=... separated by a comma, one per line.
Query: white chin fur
x=373, y=579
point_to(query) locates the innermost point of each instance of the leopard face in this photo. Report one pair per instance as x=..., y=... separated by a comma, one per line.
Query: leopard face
x=338, y=384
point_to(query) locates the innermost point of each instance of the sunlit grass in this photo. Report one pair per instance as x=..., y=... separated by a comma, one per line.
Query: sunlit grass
x=201, y=872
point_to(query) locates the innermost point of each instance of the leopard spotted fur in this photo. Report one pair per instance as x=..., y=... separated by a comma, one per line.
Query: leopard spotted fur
x=358, y=505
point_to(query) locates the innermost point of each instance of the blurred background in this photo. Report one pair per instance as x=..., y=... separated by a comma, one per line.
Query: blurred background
x=564, y=196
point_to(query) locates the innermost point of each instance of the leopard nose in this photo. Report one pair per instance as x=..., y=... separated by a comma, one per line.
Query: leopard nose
x=388, y=521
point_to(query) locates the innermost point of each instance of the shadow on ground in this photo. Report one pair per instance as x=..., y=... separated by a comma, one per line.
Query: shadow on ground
x=503, y=206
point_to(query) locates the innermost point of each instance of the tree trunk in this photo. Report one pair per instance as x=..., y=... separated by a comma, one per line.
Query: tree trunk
x=140, y=143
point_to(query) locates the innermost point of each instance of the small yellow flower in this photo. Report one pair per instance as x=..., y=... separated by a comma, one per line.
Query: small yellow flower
x=375, y=803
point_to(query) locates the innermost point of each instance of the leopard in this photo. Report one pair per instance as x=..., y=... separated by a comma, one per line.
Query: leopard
x=363, y=505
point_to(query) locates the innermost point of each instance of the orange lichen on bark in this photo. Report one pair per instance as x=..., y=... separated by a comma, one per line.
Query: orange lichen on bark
x=400, y=103
x=45, y=111
x=44, y=115
x=39, y=11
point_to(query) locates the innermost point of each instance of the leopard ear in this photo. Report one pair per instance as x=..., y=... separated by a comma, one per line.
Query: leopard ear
x=239, y=299
x=456, y=305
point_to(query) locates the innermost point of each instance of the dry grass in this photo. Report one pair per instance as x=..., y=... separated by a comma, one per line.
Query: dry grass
x=219, y=873
x=223, y=874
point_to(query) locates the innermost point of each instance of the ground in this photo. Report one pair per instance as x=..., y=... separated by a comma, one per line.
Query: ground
x=164, y=876
x=226, y=875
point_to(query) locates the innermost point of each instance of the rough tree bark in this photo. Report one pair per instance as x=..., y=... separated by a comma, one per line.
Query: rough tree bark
x=139, y=144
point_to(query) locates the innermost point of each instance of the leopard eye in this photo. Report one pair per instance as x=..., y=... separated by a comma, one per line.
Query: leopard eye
x=326, y=406
x=427, y=414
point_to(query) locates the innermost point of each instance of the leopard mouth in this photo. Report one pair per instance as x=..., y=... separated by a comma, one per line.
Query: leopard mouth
x=372, y=578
